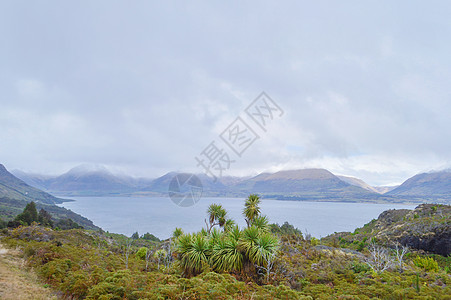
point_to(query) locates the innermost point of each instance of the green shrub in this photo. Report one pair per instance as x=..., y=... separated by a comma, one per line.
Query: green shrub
x=314, y=241
x=150, y=237
x=361, y=246
x=116, y=286
x=426, y=263
x=141, y=253
x=360, y=267
x=65, y=224
x=302, y=282
x=28, y=251
x=2, y=224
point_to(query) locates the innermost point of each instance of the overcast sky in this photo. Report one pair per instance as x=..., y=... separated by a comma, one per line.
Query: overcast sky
x=143, y=88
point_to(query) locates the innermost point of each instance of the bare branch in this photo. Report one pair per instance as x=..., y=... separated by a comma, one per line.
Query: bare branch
x=399, y=252
x=266, y=269
x=379, y=259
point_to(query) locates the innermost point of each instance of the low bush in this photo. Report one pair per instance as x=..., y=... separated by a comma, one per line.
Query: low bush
x=426, y=263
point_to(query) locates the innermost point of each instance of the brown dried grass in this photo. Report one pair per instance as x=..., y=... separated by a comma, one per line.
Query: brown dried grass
x=18, y=282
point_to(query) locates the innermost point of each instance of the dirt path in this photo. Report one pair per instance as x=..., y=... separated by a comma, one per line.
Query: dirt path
x=16, y=282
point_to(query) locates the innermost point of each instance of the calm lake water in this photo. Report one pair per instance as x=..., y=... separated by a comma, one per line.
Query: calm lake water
x=160, y=216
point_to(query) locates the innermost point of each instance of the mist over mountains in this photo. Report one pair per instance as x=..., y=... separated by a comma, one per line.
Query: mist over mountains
x=304, y=184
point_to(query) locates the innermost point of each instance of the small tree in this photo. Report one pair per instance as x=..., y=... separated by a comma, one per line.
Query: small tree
x=268, y=265
x=160, y=255
x=399, y=252
x=169, y=251
x=29, y=214
x=148, y=256
x=229, y=225
x=251, y=209
x=145, y=254
x=127, y=250
x=379, y=259
x=216, y=216
x=44, y=218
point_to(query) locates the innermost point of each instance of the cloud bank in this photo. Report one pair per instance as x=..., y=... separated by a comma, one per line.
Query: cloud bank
x=144, y=87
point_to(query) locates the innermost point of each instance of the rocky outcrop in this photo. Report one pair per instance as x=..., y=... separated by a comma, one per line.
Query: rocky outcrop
x=427, y=227
x=436, y=241
x=391, y=216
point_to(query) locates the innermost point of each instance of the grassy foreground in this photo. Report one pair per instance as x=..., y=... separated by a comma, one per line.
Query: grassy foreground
x=17, y=283
x=223, y=261
x=82, y=264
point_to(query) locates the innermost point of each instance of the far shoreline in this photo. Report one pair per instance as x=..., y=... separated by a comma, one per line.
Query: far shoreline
x=68, y=198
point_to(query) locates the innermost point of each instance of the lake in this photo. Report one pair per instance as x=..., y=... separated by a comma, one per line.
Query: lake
x=160, y=216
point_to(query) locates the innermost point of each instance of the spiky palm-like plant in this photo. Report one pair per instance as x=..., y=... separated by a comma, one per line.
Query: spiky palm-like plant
x=256, y=246
x=204, y=232
x=216, y=258
x=217, y=215
x=177, y=233
x=248, y=239
x=214, y=211
x=262, y=223
x=251, y=209
x=226, y=255
x=232, y=255
x=234, y=233
x=215, y=236
x=265, y=246
x=229, y=224
x=184, y=243
x=231, y=249
x=194, y=251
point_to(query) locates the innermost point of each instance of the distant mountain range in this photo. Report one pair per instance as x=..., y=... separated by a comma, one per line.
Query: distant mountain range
x=435, y=184
x=366, y=186
x=313, y=184
x=85, y=180
x=305, y=184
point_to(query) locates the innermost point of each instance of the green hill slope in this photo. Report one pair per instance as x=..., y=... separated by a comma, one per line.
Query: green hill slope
x=15, y=194
x=13, y=188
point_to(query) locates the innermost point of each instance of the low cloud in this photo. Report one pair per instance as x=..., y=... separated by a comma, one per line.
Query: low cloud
x=144, y=88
